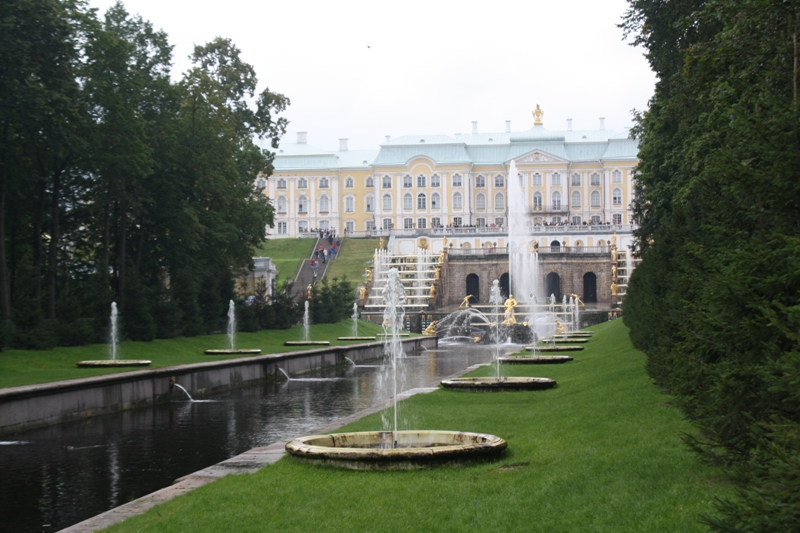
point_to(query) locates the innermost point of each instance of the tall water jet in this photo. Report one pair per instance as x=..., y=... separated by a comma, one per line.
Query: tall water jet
x=496, y=300
x=306, y=332
x=231, y=324
x=394, y=298
x=354, y=316
x=306, y=328
x=113, y=337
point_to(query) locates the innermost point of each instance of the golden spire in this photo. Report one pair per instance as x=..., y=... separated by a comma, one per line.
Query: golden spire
x=537, y=116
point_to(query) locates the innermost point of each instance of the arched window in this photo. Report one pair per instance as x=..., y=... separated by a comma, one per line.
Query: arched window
x=302, y=183
x=408, y=202
x=421, y=181
x=369, y=183
x=499, y=181
x=422, y=201
x=302, y=226
x=387, y=202
x=480, y=182
x=408, y=182
x=387, y=182
x=556, y=178
x=595, y=179
x=302, y=204
x=261, y=183
x=616, y=177
x=324, y=204
x=616, y=197
x=436, y=181
x=499, y=202
x=576, y=180
x=323, y=183
x=616, y=218
x=422, y=223
x=435, y=201
x=456, y=180
x=349, y=183
x=537, y=201
x=576, y=199
x=537, y=179
x=283, y=204
x=480, y=202
x=281, y=183
x=349, y=203
x=369, y=203
x=408, y=223
x=595, y=198
x=457, y=201
x=556, y=200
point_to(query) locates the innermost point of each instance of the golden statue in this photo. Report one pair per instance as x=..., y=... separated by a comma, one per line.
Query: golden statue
x=537, y=116
x=369, y=274
x=509, y=304
x=431, y=329
x=613, y=254
x=614, y=271
x=613, y=289
x=614, y=240
x=423, y=243
x=437, y=272
x=432, y=293
x=533, y=246
x=362, y=292
x=382, y=243
x=560, y=329
x=444, y=243
x=309, y=291
x=465, y=301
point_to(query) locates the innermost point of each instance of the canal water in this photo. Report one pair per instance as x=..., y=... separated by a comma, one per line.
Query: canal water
x=57, y=476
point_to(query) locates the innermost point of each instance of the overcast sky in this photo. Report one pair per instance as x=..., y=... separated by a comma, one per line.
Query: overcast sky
x=366, y=69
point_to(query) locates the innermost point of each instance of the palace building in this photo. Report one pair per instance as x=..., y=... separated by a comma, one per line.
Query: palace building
x=450, y=191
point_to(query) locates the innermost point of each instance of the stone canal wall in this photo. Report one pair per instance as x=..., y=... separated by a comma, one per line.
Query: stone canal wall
x=52, y=403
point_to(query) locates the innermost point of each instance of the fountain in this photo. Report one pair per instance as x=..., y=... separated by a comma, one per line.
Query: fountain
x=354, y=330
x=394, y=449
x=306, y=332
x=113, y=341
x=231, y=336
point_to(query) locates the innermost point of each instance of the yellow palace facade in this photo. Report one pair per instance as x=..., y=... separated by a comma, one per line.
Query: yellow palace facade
x=427, y=184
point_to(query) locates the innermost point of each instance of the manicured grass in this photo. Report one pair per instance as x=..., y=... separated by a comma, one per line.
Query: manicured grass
x=353, y=260
x=23, y=367
x=287, y=255
x=600, y=452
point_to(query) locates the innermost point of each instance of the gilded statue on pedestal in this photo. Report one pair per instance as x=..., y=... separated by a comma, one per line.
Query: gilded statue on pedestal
x=508, y=316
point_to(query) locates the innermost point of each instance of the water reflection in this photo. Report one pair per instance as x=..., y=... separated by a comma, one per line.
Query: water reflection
x=58, y=476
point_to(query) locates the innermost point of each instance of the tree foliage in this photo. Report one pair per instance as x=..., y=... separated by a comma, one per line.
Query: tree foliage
x=715, y=303
x=119, y=184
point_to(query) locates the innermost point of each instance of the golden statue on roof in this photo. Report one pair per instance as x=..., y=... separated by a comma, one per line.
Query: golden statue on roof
x=537, y=116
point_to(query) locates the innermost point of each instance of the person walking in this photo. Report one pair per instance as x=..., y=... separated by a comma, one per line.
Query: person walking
x=324, y=255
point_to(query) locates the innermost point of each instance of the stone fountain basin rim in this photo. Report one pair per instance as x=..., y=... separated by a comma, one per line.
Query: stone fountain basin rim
x=434, y=445
x=244, y=351
x=559, y=348
x=306, y=343
x=503, y=384
x=522, y=359
x=355, y=338
x=106, y=363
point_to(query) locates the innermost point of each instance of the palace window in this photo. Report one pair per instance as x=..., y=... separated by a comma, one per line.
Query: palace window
x=323, y=183
x=387, y=223
x=499, y=202
x=302, y=183
x=324, y=225
x=387, y=202
x=408, y=223
x=595, y=219
x=595, y=198
x=480, y=222
x=576, y=199
x=457, y=221
x=369, y=203
x=499, y=222
x=499, y=181
x=556, y=200
x=595, y=179
x=386, y=182
x=421, y=180
x=422, y=223
x=457, y=201
x=261, y=183
x=369, y=183
x=422, y=201
x=616, y=177
x=324, y=204
x=282, y=228
x=369, y=225
x=302, y=204
x=349, y=204
x=480, y=182
x=537, y=201
x=349, y=227
x=302, y=226
x=556, y=220
x=349, y=183
x=408, y=182
x=537, y=179
x=617, y=218
x=576, y=180
x=576, y=221
x=283, y=204
x=616, y=197
x=480, y=202
x=408, y=202
x=456, y=180
x=281, y=183
x=436, y=181
x=435, y=201
x=556, y=178
x=436, y=222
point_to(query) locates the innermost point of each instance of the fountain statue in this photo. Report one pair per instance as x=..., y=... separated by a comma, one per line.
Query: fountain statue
x=508, y=317
x=393, y=448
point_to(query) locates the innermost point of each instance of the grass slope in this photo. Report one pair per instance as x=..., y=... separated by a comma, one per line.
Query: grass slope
x=600, y=452
x=24, y=367
x=287, y=255
x=353, y=260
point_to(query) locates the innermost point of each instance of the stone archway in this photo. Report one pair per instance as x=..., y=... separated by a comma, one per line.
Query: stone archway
x=553, y=286
x=473, y=288
x=504, y=285
x=590, y=288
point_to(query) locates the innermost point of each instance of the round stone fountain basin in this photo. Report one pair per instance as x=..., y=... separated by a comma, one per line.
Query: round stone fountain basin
x=535, y=360
x=253, y=351
x=109, y=363
x=493, y=384
x=401, y=450
x=559, y=348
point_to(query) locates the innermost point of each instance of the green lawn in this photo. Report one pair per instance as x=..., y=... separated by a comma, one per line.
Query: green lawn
x=24, y=367
x=287, y=255
x=355, y=254
x=600, y=452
